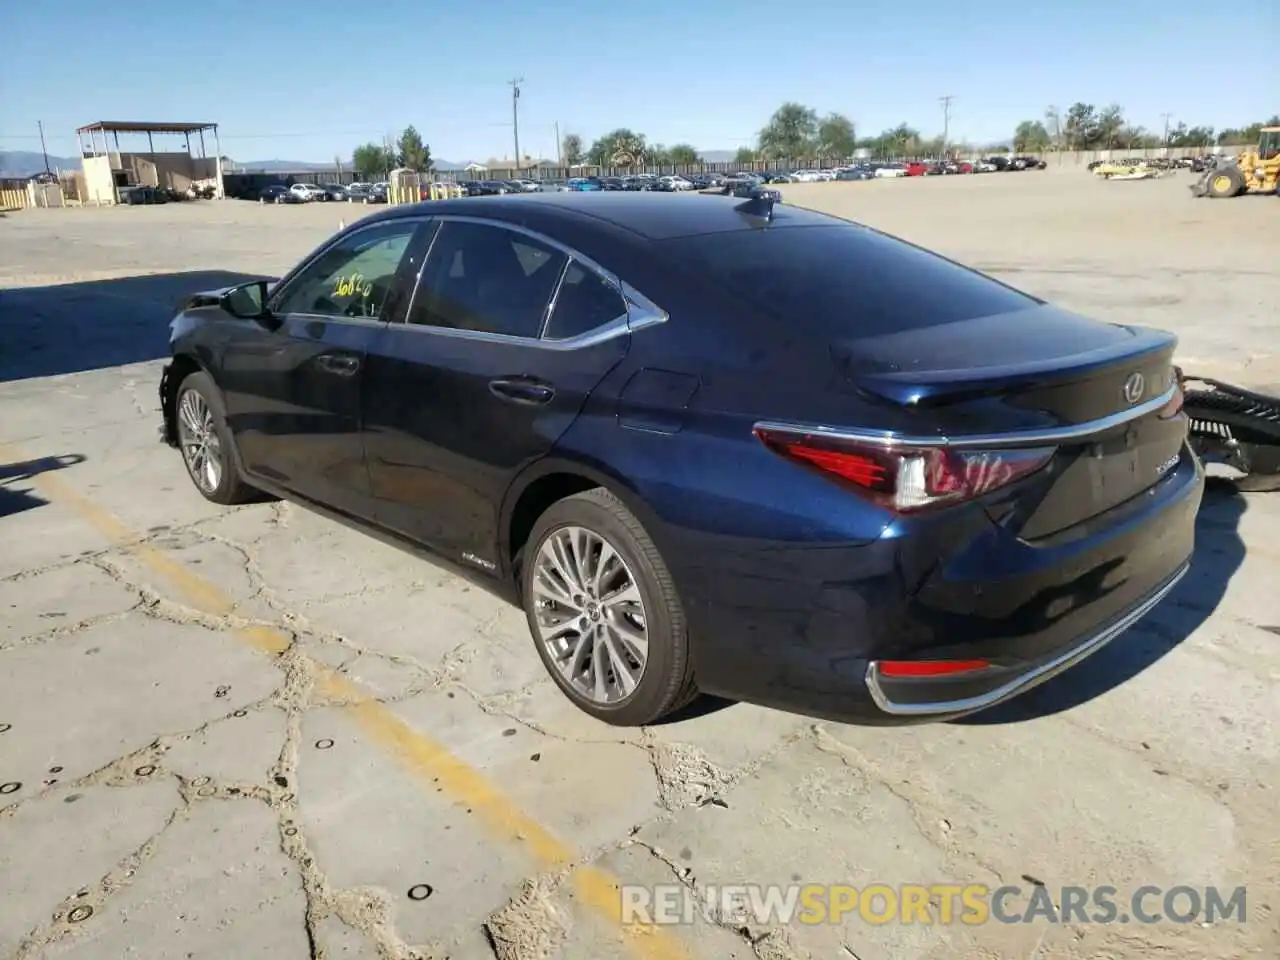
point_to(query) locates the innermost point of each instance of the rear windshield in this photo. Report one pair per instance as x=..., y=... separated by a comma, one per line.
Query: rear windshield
x=845, y=280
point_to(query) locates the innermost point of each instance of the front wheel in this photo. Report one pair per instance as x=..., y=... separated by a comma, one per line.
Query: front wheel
x=206, y=442
x=1226, y=182
x=604, y=613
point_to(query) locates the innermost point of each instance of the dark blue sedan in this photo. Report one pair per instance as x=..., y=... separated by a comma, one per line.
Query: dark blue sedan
x=710, y=444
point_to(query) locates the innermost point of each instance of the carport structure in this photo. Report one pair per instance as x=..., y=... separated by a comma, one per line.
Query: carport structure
x=107, y=167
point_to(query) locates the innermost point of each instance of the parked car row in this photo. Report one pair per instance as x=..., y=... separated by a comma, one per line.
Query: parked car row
x=638, y=182
x=650, y=182
x=324, y=193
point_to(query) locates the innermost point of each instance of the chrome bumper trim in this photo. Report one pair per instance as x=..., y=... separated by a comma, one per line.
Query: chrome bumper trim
x=1030, y=678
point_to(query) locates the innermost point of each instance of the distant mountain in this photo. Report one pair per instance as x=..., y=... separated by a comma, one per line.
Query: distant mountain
x=24, y=163
x=718, y=156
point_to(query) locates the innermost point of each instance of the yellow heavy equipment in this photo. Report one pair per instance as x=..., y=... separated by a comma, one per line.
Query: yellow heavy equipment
x=1253, y=171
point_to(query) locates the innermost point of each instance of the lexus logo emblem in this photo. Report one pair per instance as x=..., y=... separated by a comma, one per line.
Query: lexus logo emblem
x=1133, y=387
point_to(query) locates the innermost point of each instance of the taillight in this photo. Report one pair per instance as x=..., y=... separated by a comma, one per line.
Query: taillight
x=906, y=479
x=1174, y=406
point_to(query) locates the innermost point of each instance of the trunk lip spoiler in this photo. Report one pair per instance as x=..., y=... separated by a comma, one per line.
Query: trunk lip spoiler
x=1050, y=436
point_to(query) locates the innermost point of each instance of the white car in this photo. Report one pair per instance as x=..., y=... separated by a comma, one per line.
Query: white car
x=807, y=176
x=306, y=192
x=981, y=166
x=892, y=170
x=676, y=183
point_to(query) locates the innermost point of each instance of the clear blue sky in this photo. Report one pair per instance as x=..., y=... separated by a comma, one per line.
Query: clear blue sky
x=305, y=81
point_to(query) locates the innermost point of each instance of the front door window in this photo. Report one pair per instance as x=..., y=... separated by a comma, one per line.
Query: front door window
x=353, y=278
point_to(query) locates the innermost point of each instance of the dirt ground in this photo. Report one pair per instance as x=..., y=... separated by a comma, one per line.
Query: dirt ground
x=251, y=732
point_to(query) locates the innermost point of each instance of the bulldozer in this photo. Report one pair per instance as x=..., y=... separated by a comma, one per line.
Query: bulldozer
x=1253, y=171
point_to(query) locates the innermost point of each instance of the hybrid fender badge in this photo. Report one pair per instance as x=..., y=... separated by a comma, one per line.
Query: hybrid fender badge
x=479, y=561
x=1134, y=386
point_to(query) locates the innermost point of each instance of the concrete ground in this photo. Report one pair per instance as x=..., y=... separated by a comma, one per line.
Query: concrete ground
x=251, y=732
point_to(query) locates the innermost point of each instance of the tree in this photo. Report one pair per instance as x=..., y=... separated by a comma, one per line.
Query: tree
x=657, y=155
x=1243, y=136
x=899, y=141
x=1109, y=124
x=372, y=160
x=1132, y=136
x=1030, y=137
x=790, y=133
x=619, y=148
x=1081, y=126
x=744, y=156
x=1053, y=124
x=571, y=149
x=684, y=155
x=414, y=154
x=837, y=137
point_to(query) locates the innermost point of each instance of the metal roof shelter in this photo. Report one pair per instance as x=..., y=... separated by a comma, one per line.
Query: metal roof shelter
x=114, y=128
x=110, y=131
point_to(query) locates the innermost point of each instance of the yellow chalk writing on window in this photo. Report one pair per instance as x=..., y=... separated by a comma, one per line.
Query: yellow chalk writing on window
x=353, y=286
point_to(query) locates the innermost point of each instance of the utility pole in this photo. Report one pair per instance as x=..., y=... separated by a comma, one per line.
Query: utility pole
x=559, y=148
x=946, y=119
x=515, y=114
x=43, y=149
x=1166, y=117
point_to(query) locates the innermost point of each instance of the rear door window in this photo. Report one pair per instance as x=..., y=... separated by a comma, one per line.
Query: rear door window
x=586, y=301
x=486, y=279
x=844, y=280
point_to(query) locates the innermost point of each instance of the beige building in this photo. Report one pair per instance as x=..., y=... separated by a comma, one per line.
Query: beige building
x=108, y=168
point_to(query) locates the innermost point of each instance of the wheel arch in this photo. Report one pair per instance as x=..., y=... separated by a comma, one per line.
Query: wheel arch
x=180, y=367
x=552, y=479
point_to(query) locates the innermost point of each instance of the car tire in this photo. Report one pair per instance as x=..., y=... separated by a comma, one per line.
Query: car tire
x=666, y=683
x=200, y=419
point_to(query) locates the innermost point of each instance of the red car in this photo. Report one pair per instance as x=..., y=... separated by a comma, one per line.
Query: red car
x=916, y=168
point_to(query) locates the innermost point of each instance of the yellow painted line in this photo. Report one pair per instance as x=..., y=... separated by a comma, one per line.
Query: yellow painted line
x=418, y=754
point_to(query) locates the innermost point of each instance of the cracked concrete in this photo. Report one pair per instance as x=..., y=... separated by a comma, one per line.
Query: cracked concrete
x=234, y=732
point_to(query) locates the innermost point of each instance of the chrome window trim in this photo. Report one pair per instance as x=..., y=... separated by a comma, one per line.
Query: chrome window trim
x=285, y=282
x=641, y=311
x=1014, y=438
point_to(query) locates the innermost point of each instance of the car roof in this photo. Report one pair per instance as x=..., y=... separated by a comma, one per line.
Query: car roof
x=651, y=216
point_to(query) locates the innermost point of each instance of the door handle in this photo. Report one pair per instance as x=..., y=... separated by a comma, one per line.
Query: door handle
x=343, y=366
x=524, y=390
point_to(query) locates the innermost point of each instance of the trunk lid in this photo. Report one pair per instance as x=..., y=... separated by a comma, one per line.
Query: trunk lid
x=1091, y=390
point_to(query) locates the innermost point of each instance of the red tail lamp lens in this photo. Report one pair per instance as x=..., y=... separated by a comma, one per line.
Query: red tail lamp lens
x=929, y=668
x=905, y=479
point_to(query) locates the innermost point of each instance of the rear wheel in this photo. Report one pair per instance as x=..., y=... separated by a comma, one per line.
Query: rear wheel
x=604, y=613
x=206, y=442
x=1226, y=182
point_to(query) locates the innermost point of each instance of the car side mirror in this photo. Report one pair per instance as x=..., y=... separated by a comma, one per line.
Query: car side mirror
x=248, y=301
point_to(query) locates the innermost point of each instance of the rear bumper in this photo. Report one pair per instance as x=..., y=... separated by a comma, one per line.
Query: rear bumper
x=936, y=698
x=804, y=627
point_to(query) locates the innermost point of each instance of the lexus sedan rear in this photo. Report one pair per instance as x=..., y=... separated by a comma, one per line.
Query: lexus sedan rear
x=710, y=444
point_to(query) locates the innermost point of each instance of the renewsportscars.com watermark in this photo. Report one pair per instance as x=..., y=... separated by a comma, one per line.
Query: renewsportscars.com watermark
x=928, y=904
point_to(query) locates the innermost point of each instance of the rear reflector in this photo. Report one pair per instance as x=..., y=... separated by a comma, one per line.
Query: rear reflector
x=905, y=479
x=928, y=668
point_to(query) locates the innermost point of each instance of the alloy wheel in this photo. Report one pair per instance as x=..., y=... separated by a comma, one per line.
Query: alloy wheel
x=201, y=448
x=590, y=615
